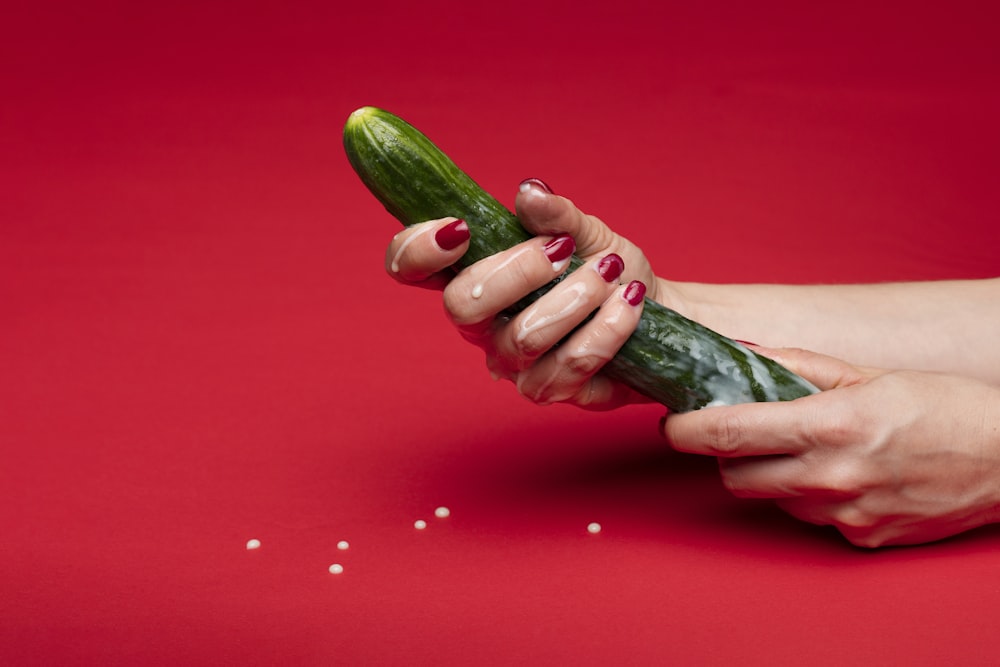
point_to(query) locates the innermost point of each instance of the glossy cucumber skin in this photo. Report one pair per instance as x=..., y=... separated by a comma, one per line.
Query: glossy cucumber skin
x=669, y=358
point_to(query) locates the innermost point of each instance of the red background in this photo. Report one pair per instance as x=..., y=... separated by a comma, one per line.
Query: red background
x=200, y=345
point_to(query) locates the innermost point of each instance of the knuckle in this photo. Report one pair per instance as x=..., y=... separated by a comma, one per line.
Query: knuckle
x=725, y=436
x=582, y=364
x=539, y=394
x=521, y=271
x=854, y=519
x=591, y=395
x=598, y=235
x=860, y=526
x=459, y=305
x=530, y=343
x=835, y=430
x=849, y=479
x=865, y=537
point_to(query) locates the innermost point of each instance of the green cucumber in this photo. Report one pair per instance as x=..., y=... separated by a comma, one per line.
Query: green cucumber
x=669, y=358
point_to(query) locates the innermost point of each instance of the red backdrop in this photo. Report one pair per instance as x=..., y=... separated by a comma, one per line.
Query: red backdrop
x=200, y=346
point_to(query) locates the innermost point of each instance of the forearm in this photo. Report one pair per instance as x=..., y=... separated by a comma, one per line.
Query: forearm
x=951, y=326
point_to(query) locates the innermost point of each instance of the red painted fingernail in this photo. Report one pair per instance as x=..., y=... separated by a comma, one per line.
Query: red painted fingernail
x=610, y=267
x=529, y=183
x=452, y=235
x=560, y=248
x=634, y=293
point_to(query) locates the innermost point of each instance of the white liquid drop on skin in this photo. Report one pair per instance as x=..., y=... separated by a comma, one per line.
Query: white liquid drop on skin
x=561, y=264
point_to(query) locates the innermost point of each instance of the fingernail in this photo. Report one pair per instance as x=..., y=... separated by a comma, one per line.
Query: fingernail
x=452, y=235
x=634, y=293
x=610, y=267
x=530, y=183
x=560, y=248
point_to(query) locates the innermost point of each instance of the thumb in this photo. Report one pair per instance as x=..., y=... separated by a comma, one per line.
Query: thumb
x=544, y=213
x=824, y=371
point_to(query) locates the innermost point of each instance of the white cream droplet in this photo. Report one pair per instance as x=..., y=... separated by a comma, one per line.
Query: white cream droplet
x=442, y=512
x=253, y=544
x=343, y=545
x=336, y=568
x=419, y=524
x=593, y=528
x=561, y=264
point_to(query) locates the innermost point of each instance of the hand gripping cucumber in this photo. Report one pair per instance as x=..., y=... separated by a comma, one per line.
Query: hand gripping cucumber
x=669, y=358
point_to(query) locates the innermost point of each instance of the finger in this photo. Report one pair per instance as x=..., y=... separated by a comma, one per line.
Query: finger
x=476, y=295
x=864, y=528
x=569, y=373
x=762, y=477
x=602, y=393
x=823, y=371
x=548, y=320
x=544, y=213
x=422, y=253
x=778, y=476
x=749, y=429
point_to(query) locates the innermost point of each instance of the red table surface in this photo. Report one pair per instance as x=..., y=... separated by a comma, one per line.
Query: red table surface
x=200, y=345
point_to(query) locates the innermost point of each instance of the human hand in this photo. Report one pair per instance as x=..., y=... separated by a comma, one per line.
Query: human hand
x=885, y=457
x=523, y=348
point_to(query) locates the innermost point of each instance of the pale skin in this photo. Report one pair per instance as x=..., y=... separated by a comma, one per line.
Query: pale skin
x=886, y=456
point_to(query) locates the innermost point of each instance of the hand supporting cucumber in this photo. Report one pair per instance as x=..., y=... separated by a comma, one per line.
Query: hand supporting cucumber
x=669, y=358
